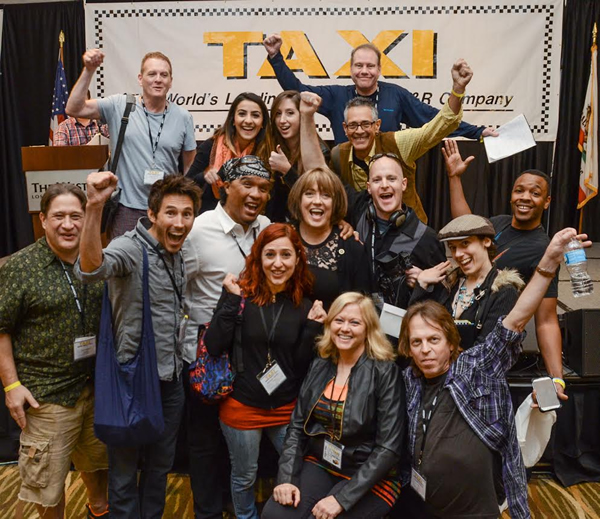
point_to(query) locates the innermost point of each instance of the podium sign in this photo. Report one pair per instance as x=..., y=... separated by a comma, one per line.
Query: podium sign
x=38, y=182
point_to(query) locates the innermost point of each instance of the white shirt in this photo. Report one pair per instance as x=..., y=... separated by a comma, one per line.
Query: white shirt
x=211, y=250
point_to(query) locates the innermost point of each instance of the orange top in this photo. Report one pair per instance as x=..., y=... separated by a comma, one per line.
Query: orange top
x=242, y=416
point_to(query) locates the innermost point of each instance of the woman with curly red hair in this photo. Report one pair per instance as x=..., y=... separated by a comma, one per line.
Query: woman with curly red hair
x=278, y=329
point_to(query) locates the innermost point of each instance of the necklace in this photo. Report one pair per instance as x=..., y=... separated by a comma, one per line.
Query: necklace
x=463, y=298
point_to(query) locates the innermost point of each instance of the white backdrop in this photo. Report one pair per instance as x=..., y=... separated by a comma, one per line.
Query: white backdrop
x=513, y=49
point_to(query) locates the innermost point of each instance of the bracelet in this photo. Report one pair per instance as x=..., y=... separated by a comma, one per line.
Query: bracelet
x=12, y=386
x=560, y=382
x=456, y=94
x=546, y=273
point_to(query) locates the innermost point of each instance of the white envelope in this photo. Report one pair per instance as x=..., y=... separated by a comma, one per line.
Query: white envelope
x=391, y=319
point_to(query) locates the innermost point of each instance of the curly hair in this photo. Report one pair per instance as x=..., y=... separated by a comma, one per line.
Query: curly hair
x=434, y=314
x=376, y=344
x=253, y=281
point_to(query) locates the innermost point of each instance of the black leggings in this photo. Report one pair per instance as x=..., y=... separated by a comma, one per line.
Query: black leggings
x=315, y=484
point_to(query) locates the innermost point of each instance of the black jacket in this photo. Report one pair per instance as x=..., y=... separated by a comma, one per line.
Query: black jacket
x=292, y=348
x=373, y=426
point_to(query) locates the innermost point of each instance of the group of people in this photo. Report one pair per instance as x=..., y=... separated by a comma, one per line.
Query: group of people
x=288, y=252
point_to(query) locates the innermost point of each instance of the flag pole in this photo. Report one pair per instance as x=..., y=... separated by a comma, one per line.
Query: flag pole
x=61, y=41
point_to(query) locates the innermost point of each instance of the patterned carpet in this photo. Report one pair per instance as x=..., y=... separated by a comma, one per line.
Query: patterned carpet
x=547, y=498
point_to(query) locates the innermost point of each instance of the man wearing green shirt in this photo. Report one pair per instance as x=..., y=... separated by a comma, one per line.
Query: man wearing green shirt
x=48, y=324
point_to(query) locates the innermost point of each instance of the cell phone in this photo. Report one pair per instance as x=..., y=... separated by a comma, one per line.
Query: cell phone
x=547, y=397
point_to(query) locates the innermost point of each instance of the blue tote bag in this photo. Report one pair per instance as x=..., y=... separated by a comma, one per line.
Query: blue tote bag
x=128, y=408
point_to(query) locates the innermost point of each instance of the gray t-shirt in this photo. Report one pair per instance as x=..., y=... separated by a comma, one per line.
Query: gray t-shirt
x=177, y=135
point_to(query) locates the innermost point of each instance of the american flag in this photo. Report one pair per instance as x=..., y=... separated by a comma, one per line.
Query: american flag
x=59, y=100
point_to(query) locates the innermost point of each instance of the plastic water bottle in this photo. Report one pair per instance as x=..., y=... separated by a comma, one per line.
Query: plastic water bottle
x=576, y=262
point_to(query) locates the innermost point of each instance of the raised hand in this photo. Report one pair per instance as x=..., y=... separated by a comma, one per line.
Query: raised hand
x=309, y=103
x=92, y=59
x=556, y=247
x=455, y=165
x=273, y=44
x=461, y=75
x=279, y=162
x=100, y=186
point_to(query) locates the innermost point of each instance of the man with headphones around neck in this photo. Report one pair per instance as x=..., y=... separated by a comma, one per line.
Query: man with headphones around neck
x=399, y=245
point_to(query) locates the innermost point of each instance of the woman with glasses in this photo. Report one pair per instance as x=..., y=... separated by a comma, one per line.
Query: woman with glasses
x=277, y=332
x=246, y=131
x=347, y=430
x=318, y=203
x=286, y=161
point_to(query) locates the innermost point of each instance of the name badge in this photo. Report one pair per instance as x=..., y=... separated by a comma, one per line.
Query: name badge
x=418, y=483
x=84, y=347
x=271, y=377
x=152, y=175
x=332, y=453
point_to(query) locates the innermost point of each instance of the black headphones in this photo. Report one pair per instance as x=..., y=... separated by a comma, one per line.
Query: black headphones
x=397, y=217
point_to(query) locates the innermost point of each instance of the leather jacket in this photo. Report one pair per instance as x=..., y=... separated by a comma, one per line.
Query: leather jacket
x=372, y=432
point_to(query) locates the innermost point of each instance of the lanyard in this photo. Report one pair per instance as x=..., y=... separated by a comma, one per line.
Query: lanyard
x=238, y=243
x=154, y=144
x=356, y=94
x=178, y=290
x=80, y=307
x=333, y=407
x=426, y=419
x=270, y=334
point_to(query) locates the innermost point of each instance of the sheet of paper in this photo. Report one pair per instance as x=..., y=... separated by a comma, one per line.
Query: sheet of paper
x=514, y=137
x=98, y=139
x=391, y=319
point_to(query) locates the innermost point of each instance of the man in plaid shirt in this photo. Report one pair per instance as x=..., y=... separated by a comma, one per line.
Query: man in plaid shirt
x=77, y=132
x=462, y=436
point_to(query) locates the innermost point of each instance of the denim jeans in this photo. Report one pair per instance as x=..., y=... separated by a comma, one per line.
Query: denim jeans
x=244, y=445
x=126, y=498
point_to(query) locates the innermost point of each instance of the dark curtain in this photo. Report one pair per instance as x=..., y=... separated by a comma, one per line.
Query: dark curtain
x=487, y=186
x=28, y=65
x=578, y=22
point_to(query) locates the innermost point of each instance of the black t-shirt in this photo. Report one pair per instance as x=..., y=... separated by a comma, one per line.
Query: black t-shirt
x=521, y=250
x=463, y=475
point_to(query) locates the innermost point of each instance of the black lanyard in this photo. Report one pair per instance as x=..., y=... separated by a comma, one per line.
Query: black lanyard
x=80, y=306
x=426, y=419
x=270, y=333
x=154, y=144
x=333, y=407
x=238, y=243
x=178, y=290
x=356, y=94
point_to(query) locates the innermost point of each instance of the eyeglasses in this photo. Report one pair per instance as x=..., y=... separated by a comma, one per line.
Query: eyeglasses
x=365, y=125
x=378, y=156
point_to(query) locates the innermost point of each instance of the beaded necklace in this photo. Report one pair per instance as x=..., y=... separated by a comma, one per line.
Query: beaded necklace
x=464, y=299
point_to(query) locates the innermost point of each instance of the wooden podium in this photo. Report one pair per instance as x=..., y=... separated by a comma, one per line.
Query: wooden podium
x=47, y=165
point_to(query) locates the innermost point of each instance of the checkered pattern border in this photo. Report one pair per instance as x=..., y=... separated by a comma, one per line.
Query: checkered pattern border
x=142, y=12
x=322, y=128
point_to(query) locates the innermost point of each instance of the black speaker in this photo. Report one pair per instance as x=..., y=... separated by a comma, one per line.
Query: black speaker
x=582, y=341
